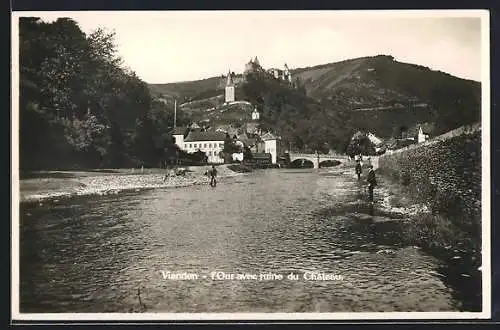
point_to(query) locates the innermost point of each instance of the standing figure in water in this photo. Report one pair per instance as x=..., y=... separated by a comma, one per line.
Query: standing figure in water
x=358, y=169
x=372, y=182
x=213, y=176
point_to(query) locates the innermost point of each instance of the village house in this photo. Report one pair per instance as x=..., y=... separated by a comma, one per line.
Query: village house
x=421, y=135
x=211, y=143
x=377, y=142
x=271, y=146
x=195, y=127
x=416, y=134
x=178, y=133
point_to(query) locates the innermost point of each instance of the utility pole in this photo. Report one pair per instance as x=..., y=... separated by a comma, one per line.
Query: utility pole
x=175, y=112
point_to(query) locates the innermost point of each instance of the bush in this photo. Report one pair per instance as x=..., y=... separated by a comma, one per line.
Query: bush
x=405, y=178
x=239, y=168
x=433, y=231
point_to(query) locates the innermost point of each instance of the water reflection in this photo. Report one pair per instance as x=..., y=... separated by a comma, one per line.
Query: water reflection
x=92, y=254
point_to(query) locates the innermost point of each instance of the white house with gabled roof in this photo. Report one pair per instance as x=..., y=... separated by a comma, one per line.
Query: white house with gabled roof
x=211, y=143
x=271, y=146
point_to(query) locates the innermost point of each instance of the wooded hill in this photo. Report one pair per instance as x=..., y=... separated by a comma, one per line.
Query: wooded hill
x=378, y=92
x=394, y=93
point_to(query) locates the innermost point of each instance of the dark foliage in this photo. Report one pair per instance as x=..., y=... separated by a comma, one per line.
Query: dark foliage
x=79, y=108
x=302, y=122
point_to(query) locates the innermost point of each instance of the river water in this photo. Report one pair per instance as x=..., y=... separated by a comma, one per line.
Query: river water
x=112, y=253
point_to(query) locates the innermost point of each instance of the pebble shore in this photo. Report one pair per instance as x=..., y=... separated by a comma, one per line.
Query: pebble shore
x=39, y=189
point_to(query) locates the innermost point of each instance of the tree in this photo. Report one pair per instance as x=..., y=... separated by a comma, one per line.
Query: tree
x=230, y=146
x=247, y=153
x=78, y=104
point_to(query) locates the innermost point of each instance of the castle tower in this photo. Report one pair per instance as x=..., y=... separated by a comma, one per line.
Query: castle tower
x=229, y=88
x=248, y=66
x=256, y=61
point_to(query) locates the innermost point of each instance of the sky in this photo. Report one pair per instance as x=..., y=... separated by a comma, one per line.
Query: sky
x=169, y=46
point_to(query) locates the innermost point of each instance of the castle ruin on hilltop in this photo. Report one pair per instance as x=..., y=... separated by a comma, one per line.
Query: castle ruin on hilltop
x=280, y=74
x=232, y=80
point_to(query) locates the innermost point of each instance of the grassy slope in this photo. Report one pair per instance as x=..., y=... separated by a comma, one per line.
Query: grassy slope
x=223, y=114
x=188, y=89
x=381, y=80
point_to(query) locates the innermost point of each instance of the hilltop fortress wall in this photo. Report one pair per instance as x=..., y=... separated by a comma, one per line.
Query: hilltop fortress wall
x=444, y=172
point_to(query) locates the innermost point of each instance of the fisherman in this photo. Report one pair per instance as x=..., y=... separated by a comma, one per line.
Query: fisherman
x=372, y=182
x=168, y=173
x=358, y=169
x=213, y=175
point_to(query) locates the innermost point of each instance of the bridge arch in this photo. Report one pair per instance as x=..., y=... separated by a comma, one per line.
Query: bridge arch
x=329, y=163
x=316, y=159
x=302, y=163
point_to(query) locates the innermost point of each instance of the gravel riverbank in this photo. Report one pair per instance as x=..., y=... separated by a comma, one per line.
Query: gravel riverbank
x=62, y=184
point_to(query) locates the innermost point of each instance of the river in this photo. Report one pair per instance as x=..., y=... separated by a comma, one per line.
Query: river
x=111, y=253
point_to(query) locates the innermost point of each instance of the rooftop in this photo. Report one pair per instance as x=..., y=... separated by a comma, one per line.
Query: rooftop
x=205, y=136
x=179, y=130
x=268, y=136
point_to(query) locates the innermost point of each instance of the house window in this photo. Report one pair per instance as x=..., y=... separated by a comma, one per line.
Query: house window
x=195, y=145
x=221, y=145
x=210, y=153
x=185, y=145
x=190, y=145
x=204, y=145
x=210, y=145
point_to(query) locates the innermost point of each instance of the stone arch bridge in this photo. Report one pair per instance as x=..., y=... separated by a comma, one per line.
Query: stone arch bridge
x=316, y=159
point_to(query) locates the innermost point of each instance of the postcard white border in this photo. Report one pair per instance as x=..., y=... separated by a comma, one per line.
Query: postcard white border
x=486, y=187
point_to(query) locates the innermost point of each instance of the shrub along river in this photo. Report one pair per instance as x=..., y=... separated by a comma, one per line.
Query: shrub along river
x=126, y=252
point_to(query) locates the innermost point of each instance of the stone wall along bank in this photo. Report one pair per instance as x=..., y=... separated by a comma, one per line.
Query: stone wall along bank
x=444, y=173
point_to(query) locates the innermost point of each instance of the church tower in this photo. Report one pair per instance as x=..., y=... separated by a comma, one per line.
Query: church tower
x=229, y=88
x=255, y=114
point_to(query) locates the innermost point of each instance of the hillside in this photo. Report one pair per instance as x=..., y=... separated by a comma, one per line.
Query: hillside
x=381, y=80
x=219, y=114
x=184, y=91
x=378, y=92
x=394, y=93
x=195, y=90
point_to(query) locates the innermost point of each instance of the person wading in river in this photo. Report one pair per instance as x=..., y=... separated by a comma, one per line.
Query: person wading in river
x=213, y=176
x=358, y=169
x=372, y=182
